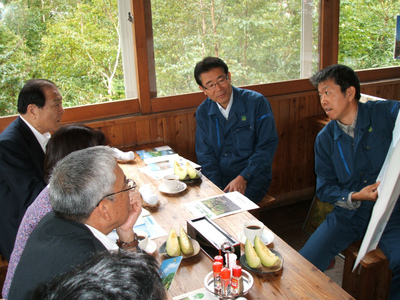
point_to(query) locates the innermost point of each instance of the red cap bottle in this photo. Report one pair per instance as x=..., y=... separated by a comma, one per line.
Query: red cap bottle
x=225, y=282
x=217, y=267
x=237, y=281
x=219, y=258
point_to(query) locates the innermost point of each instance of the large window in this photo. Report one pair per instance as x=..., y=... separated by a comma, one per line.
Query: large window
x=74, y=43
x=88, y=49
x=261, y=41
x=367, y=33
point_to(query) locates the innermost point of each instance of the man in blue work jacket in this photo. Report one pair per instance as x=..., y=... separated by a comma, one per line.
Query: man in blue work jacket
x=236, y=137
x=349, y=153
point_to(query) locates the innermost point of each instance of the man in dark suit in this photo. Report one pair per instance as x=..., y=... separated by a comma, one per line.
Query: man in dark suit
x=22, y=148
x=89, y=194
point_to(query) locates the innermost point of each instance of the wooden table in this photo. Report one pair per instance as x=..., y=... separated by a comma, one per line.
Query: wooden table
x=298, y=279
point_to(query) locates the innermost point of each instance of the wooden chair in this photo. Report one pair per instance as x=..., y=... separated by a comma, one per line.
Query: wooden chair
x=3, y=272
x=371, y=279
x=268, y=200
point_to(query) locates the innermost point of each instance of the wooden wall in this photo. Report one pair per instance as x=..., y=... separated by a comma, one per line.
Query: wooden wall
x=293, y=167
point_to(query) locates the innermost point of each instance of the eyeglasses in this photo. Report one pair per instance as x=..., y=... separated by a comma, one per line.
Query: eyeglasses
x=212, y=86
x=130, y=183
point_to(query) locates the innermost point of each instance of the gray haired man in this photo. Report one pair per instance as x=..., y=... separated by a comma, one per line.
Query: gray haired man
x=89, y=194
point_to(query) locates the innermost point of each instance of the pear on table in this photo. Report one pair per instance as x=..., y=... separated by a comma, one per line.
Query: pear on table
x=172, y=247
x=191, y=171
x=185, y=242
x=251, y=256
x=260, y=255
x=176, y=246
x=179, y=170
x=268, y=258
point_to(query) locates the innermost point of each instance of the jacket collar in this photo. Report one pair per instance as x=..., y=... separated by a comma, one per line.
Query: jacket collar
x=237, y=106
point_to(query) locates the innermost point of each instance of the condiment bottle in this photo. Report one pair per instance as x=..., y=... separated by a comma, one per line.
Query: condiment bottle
x=217, y=267
x=219, y=258
x=237, y=281
x=225, y=282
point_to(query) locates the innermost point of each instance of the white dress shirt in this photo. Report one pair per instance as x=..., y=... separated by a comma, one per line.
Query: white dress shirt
x=43, y=139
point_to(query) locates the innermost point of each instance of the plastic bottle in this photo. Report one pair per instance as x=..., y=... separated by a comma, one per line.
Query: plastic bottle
x=217, y=267
x=225, y=282
x=237, y=281
x=219, y=258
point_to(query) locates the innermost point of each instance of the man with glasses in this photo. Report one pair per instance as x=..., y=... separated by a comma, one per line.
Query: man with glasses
x=89, y=194
x=236, y=137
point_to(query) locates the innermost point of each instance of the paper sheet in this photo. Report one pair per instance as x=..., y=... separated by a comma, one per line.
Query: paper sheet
x=221, y=205
x=388, y=191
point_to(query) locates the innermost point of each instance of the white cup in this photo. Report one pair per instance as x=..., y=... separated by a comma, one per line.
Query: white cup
x=143, y=239
x=172, y=182
x=253, y=228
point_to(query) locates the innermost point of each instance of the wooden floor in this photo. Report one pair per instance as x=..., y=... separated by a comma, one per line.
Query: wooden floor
x=287, y=222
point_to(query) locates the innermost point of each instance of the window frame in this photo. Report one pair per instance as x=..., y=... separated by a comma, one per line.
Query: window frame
x=147, y=101
x=328, y=55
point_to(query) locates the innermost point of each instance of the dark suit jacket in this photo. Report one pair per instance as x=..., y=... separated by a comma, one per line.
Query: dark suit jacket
x=21, y=179
x=55, y=246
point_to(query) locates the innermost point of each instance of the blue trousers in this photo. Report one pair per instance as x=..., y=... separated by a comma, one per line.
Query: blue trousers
x=340, y=229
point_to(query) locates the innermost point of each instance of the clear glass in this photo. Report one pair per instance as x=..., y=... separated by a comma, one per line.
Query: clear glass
x=260, y=41
x=367, y=33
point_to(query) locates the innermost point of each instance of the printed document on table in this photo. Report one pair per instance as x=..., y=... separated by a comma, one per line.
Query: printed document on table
x=388, y=193
x=153, y=154
x=164, y=165
x=202, y=294
x=146, y=223
x=221, y=205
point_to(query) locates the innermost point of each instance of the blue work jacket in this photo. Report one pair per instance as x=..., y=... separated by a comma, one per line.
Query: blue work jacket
x=344, y=164
x=244, y=144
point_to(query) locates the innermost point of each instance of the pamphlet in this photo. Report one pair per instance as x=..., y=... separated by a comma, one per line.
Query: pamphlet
x=202, y=294
x=150, y=225
x=160, y=166
x=220, y=206
x=146, y=223
x=388, y=193
x=156, y=154
x=168, y=270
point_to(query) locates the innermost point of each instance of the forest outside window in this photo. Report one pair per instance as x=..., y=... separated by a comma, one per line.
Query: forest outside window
x=367, y=33
x=80, y=45
x=261, y=41
x=76, y=44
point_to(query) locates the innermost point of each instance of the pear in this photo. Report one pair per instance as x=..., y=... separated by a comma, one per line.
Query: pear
x=268, y=258
x=191, y=171
x=178, y=170
x=251, y=256
x=172, y=247
x=185, y=242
